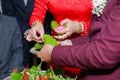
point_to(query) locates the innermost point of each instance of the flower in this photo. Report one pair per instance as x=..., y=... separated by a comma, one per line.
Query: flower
x=98, y=6
x=60, y=28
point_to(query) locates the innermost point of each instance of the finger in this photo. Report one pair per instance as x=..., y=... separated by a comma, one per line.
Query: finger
x=33, y=39
x=42, y=35
x=34, y=34
x=61, y=31
x=28, y=38
x=41, y=32
x=26, y=32
x=26, y=35
x=64, y=36
x=39, y=41
x=41, y=56
x=64, y=21
x=61, y=37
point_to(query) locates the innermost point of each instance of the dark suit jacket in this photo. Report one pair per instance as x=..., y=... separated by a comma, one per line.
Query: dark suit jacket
x=11, y=53
x=17, y=9
x=99, y=54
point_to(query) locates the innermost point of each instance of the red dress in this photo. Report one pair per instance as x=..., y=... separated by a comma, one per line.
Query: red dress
x=79, y=10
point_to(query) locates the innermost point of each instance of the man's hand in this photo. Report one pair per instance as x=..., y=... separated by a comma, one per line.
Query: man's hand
x=45, y=53
x=15, y=70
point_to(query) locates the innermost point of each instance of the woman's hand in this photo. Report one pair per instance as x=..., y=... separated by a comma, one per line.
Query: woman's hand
x=36, y=33
x=45, y=53
x=70, y=28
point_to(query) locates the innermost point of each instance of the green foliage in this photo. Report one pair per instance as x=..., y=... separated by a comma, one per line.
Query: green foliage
x=38, y=46
x=50, y=40
x=54, y=25
x=16, y=76
x=36, y=71
x=47, y=40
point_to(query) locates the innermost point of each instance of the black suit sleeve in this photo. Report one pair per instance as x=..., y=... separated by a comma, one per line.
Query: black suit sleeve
x=7, y=7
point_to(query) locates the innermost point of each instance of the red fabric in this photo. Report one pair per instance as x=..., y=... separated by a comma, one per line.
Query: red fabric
x=71, y=72
x=79, y=10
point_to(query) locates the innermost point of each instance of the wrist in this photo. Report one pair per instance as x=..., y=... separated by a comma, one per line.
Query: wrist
x=80, y=28
x=36, y=23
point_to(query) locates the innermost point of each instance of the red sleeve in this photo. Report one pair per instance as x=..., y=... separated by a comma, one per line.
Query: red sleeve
x=39, y=11
x=100, y=53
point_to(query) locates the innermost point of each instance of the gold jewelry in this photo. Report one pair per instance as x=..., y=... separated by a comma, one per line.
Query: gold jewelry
x=80, y=28
x=35, y=23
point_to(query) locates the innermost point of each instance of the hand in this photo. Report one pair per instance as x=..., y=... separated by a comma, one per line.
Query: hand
x=32, y=34
x=15, y=70
x=71, y=27
x=45, y=53
x=28, y=35
x=65, y=42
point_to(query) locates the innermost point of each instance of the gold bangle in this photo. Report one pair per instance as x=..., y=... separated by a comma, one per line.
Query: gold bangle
x=80, y=28
x=35, y=23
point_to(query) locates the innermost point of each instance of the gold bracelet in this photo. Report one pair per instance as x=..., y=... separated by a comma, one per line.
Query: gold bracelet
x=80, y=28
x=35, y=23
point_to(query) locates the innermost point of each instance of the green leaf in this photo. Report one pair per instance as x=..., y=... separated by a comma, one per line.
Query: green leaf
x=54, y=25
x=38, y=46
x=16, y=76
x=50, y=40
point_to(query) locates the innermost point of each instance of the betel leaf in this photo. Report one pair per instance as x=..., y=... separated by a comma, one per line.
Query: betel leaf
x=38, y=46
x=54, y=25
x=48, y=39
